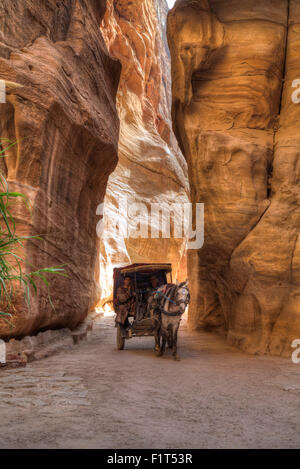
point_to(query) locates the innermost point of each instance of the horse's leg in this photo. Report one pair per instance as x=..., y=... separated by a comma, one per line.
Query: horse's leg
x=157, y=332
x=170, y=336
x=157, y=339
x=175, y=355
x=163, y=345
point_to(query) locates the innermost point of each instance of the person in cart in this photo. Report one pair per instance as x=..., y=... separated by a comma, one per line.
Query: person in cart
x=126, y=302
x=151, y=290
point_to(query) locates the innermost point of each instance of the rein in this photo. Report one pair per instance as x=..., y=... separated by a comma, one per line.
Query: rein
x=167, y=298
x=176, y=313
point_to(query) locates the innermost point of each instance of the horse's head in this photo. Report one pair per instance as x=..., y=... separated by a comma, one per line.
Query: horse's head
x=183, y=295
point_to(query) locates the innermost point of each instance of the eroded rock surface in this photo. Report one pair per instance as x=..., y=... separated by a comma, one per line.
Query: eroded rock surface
x=233, y=65
x=66, y=124
x=151, y=168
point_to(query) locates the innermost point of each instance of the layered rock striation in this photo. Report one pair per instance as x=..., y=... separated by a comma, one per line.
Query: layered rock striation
x=151, y=168
x=236, y=120
x=65, y=122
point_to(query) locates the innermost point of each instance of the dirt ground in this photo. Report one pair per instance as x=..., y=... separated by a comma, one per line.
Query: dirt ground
x=93, y=396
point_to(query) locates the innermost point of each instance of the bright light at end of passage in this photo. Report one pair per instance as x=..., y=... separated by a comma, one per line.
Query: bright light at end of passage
x=171, y=3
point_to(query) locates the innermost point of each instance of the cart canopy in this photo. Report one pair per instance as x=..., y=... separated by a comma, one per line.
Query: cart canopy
x=144, y=268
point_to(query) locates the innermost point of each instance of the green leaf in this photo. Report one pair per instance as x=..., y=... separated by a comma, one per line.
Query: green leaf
x=12, y=264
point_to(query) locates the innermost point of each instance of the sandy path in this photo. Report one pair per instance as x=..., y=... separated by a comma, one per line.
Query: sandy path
x=94, y=396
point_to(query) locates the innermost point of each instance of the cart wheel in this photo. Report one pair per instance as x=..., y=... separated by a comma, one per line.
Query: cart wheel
x=120, y=338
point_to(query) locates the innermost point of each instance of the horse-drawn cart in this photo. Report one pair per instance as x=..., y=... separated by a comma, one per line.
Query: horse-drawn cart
x=138, y=322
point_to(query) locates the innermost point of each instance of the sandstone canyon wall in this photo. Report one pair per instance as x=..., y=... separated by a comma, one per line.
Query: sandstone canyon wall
x=65, y=121
x=233, y=66
x=151, y=168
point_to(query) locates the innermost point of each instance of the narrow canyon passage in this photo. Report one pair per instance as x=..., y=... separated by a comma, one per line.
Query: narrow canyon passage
x=119, y=108
x=232, y=68
x=94, y=396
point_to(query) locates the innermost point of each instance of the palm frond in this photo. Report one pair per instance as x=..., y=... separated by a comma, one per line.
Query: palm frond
x=13, y=266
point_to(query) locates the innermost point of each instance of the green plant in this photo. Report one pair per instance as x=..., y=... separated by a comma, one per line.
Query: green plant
x=12, y=265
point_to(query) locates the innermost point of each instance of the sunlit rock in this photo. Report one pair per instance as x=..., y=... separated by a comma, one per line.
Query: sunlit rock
x=237, y=127
x=65, y=121
x=151, y=168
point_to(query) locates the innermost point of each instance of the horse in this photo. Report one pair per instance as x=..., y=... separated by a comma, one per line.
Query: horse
x=167, y=306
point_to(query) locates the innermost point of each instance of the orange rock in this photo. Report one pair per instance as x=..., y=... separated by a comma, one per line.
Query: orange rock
x=229, y=60
x=65, y=120
x=151, y=168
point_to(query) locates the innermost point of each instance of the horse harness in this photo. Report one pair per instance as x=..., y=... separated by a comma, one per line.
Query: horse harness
x=170, y=293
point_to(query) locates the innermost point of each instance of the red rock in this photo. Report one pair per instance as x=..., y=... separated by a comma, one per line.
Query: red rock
x=65, y=120
x=239, y=135
x=151, y=168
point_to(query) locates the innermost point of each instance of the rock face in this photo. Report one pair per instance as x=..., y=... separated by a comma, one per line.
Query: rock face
x=66, y=124
x=151, y=168
x=233, y=67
